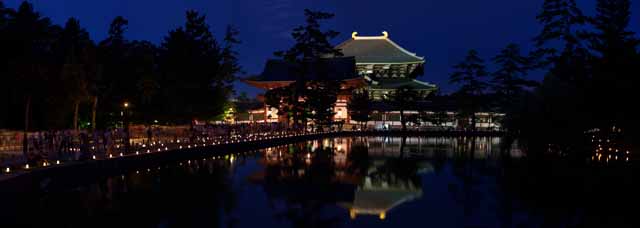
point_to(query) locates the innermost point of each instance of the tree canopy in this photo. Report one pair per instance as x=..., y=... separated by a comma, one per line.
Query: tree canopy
x=56, y=77
x=308, y=99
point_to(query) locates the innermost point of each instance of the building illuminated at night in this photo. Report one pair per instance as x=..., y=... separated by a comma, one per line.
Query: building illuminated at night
x=374, y=63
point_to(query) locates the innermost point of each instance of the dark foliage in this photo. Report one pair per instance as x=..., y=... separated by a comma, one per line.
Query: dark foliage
x=56, y=77
x=470, y=74
x=308, y=99
x=403, y=99
x=360, y=106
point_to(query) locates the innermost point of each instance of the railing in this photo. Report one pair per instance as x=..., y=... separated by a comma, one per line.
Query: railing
x=59, y=147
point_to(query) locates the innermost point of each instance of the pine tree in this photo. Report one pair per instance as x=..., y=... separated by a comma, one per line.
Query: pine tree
x=508, y=82
x=359, y=107
x=74, y=46
x=403, y=99
x=229, y=65
x=191, y=62
x=559, y=19
x=5, y=79
x=312, y=45
x=615, y=71
x=115, y=84
x=29, y=40
x=470, y=74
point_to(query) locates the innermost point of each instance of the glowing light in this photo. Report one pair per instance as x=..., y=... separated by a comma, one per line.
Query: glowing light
x=57, y=162
x=26, y=166
x=382, y=215
x=7, y=170
x=93, y=157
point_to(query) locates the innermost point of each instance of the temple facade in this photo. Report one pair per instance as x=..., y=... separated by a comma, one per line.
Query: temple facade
x=384, y=65
x=375, y=64
x=372, y=63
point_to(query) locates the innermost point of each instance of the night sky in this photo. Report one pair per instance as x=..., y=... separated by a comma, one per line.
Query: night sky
x=442, y=31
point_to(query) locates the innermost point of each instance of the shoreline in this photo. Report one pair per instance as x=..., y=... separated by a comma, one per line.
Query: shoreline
x=81, y=170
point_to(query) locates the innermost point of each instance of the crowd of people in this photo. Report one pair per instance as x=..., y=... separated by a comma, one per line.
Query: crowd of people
x=65, y=145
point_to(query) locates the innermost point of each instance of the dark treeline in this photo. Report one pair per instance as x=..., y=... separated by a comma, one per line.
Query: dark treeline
x=592, y=66
x=57, y=77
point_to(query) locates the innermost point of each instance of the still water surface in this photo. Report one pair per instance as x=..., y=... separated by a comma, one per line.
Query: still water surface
x=341, y=182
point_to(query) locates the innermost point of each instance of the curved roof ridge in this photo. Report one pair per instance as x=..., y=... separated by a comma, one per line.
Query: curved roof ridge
x=377, y=50
x=402, y=49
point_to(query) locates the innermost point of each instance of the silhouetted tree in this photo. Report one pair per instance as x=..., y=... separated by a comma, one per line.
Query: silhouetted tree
x=281, y=99
x=320, y=99
x=115, y=85
x=404, y=99
x=615, y=68
x=230, y=66
x=312, y=44
x=559, y=19
x=30, y=37
x=74, y=45
x=508, y=80
x=559, y=103
x=191, y=66
x=470, y=74
x=5, y=78
x=359, y=107
x=142, y=56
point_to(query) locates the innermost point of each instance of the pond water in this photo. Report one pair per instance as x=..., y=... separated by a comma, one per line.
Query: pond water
x=340, y=182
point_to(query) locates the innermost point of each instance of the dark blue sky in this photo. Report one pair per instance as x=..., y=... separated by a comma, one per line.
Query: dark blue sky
x=442, y=31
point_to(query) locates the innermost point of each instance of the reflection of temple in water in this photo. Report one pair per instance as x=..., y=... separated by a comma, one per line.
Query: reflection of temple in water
x=380, y=193
x=430, y=147
x=379, y=179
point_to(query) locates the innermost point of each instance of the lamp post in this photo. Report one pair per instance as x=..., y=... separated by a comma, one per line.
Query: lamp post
x=125, y=123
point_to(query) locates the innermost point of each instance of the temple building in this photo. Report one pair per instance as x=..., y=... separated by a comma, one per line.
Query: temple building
x=374, y=63
x=384, y=65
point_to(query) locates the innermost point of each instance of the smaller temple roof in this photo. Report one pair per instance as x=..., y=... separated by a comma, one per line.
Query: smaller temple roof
x=339, y=68
x=377, y=50
x=397, y=83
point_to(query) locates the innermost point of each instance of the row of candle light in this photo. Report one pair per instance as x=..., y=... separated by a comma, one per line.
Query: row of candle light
x=158, y=146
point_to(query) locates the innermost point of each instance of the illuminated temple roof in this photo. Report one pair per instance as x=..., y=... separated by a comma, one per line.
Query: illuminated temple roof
x=377, y=50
